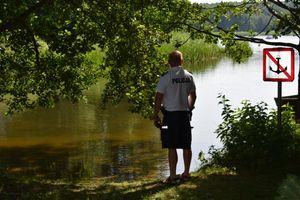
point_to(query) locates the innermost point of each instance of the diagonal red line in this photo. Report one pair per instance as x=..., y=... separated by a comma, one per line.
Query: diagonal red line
x=280, y=66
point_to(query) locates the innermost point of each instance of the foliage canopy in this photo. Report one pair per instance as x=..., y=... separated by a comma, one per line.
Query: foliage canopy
x=43, y=44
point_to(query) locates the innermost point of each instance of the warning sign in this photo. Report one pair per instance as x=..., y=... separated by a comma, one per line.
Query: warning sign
x=278, y=64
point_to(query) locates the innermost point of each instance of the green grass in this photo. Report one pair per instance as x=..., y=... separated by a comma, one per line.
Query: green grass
x=194, y=51
x=96, y=56
x=198, y=55
x=209, y=183
x=276, y=182
x=273, y=182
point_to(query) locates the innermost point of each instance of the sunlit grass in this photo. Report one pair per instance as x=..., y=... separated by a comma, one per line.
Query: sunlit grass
x=197, y=53
x=96, y=56
x=209, y=183
x=194, y=51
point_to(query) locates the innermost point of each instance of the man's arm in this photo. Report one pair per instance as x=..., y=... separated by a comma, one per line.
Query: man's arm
x=192, y=100
x=157, y=105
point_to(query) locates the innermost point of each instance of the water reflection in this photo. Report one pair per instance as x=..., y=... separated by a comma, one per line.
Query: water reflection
x=80, y=140
x=90, y=159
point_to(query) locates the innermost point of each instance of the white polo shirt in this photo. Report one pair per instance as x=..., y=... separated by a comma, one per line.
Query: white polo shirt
x=176, y=86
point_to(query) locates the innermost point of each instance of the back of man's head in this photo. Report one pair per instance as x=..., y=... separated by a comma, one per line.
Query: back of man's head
x=175, y=58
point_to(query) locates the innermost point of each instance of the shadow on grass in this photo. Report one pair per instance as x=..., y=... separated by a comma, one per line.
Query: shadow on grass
x=222, y=186
x=45, y=172
x=89, y=189
x=216, y=185
x=279, y=183
x=213, y=183
x=204, y=185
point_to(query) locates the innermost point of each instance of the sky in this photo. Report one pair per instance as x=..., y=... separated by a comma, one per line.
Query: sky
x=211, y=1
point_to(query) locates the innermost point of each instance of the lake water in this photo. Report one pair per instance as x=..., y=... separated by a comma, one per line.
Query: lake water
x=81, y=140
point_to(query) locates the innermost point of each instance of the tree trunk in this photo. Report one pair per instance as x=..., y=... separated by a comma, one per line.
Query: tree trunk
x=298, y=95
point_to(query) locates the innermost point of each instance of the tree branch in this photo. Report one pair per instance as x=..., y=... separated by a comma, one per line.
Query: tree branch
x=280, y=17
x=35, y=45
x=294, y=12
x=262, y=41
x=273, y=12
x=284, y=6
x=266, y=26
x=202, y=31
x=247, y=39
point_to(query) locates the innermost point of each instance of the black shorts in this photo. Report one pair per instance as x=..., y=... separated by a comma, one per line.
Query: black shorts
x=176, y=130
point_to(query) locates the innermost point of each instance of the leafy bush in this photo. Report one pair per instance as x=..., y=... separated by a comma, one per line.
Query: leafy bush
x=250, y=136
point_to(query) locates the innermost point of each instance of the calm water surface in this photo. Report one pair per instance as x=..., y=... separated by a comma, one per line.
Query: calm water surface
x=81, y=140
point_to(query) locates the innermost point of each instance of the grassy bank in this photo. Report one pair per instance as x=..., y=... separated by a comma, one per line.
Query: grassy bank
x=195, y=51
x=210, y=183
x=276, y=182
x=281, y=181
x=198, y=55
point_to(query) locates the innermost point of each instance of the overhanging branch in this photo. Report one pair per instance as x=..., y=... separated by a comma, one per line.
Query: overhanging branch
x=290, y=23
x=272, y=11
x=247, y=39
x=35, y=45
x=263, y=41
x=284, y=6
x=202, y=31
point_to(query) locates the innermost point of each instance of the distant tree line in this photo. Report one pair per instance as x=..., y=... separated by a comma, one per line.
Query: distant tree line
x=246, y=22
x=255, y=22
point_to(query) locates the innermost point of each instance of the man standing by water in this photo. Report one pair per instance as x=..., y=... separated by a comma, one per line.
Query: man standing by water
x=176, y=92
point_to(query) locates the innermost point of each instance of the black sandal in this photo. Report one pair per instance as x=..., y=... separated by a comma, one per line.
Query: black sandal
x=185, y=177
x=170, y=180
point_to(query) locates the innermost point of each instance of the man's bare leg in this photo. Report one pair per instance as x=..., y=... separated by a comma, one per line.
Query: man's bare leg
x=173, y=158
x=187, y=157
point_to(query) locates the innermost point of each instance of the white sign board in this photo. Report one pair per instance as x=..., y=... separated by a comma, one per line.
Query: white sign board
x=278, y=64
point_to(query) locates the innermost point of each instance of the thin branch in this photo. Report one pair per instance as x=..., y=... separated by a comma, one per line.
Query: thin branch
x=185, y=41
x=142, y=10
x=296, y=33
x=266, y=26
x=247, y=39
x=280, y=17
x=35, y=45
x=294, y=12
x=229, y=5
x=273, y=12
x=262, y=41
x=202, y=31
x=284, y=6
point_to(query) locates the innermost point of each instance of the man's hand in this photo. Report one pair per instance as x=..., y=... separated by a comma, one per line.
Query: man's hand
x=157, y=105
x=157, y=121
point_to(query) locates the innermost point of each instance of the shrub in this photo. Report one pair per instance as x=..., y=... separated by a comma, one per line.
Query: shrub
x=250, y=136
